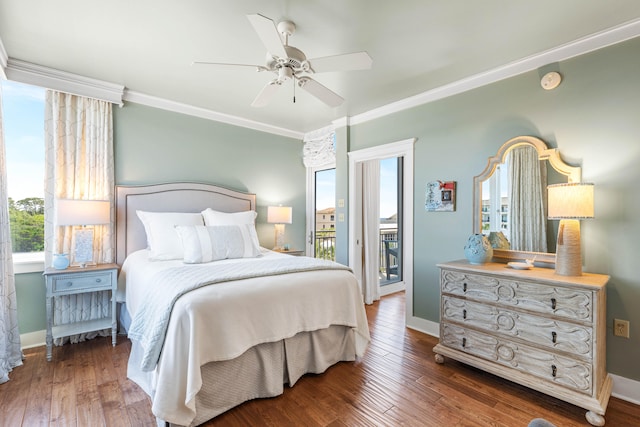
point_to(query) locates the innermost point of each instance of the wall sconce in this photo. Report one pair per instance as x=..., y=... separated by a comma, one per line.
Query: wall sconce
x=279, y=215
x=82, y=213
x=569, y=203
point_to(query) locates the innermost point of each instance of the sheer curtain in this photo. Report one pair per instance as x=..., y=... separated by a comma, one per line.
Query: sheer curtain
x=78, y=165
x=527, y=195
x=10, y=351
x=371, y=230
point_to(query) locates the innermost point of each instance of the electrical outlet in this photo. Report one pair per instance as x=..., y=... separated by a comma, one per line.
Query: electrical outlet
x=621, y=328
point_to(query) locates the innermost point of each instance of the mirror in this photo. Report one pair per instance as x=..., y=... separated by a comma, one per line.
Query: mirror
x=498, y=202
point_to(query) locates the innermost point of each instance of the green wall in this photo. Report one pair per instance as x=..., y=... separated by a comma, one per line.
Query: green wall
x=30, y=296
x=593, y=117
x=153, y=146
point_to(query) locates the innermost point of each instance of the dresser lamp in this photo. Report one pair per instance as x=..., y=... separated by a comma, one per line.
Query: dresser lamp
x=569, y=203
x=279, y=215
x=80, y=214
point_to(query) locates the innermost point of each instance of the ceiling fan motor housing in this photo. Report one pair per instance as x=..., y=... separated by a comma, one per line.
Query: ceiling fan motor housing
x=295, y=60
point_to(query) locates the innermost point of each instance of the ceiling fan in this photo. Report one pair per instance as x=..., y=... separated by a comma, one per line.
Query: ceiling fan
x=290, y=63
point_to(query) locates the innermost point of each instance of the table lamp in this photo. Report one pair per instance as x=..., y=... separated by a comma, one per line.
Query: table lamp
x=569, y=203
x=279, y=215
x=80, y=214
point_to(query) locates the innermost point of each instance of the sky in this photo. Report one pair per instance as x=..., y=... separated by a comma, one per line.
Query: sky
x=23, y=123
x=326, y=188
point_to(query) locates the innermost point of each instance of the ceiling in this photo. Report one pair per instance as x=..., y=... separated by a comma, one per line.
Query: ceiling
x=417, y=46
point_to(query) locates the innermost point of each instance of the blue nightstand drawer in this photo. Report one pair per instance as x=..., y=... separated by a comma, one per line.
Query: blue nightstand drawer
x=73, y=283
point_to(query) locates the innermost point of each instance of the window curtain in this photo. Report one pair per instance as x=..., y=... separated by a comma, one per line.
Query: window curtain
x=527, y=196
x=319, y=148
x=10, y=349
x=371, y=230
x=78, y=165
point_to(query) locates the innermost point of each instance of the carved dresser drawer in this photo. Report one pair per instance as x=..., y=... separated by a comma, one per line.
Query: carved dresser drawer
x=547, y=365
x=533, y=327
x=572, y=303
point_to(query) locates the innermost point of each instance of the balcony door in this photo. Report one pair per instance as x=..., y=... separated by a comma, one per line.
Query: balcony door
x=321, y=221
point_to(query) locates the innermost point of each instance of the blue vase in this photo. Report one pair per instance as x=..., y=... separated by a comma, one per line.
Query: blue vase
x=60, y=261
x=478, y=249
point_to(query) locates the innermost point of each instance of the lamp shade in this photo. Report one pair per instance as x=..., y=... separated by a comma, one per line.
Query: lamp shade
x=82, y=212
x=570, y=201
x=279, y=214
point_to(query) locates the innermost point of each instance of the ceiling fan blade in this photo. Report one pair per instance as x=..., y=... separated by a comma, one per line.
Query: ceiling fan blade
x=227, y=64
x=265, y=95
x=268, y=33
x=321, y=92
x=346, y=62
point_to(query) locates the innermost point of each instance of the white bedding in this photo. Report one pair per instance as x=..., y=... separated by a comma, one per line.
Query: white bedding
x=267, y=309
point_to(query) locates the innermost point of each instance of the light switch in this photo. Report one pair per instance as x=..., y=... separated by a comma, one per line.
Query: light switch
x=341, y=203
x=341, y=217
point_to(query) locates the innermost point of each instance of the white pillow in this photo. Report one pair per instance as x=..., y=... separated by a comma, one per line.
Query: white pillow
x=162, y=239
x=211, y=243
x=212, y=217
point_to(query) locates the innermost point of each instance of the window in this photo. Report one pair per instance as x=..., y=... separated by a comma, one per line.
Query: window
x=23, y=122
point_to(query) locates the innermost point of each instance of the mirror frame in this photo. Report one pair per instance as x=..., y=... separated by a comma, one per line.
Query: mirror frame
x=573, y=174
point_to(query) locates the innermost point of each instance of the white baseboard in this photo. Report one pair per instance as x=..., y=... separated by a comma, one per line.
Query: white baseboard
x=33, y=339
x=623, y=388
x=626, y=389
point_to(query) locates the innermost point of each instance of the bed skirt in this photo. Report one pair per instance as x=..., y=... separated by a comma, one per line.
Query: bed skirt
x=260, y=372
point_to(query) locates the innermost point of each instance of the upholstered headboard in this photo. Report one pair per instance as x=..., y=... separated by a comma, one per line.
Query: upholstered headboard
x=174, y=197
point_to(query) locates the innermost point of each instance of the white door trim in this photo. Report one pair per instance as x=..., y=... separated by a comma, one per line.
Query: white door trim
x=402, y=149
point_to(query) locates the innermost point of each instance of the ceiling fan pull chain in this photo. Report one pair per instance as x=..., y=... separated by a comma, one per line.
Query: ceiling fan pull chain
x=294, y=90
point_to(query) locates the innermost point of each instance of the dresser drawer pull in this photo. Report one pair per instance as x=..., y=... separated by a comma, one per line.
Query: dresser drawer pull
x=69, y=284
x=464, y=314
x=553, y=303
x=464, y=342
x=554, y=336
x=98, y=280
x=554, y=370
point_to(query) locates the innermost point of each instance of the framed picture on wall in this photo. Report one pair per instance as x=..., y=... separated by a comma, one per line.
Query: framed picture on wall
x=440, y=196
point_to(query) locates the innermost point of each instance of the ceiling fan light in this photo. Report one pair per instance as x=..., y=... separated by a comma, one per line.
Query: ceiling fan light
x=285, y=73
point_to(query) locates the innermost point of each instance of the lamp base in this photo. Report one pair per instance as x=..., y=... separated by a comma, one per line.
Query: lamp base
x=279, y=237
x=568, y=251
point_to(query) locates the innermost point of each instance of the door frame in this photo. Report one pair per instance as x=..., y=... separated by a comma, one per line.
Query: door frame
x=402, y=149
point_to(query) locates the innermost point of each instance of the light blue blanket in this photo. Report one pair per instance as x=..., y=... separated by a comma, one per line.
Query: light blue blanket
x=149, y=325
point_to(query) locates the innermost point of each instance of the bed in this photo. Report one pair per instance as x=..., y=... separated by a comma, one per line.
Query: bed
x=209, y=335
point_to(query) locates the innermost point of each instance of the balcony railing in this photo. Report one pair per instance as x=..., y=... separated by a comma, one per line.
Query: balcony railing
x=325, y=248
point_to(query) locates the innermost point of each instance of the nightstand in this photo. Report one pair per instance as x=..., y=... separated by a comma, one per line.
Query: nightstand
x=289, y=252
x=74, y=280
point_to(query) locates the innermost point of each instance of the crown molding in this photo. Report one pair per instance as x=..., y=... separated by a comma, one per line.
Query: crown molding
x=563, y=52
x=177, y=107
x=26, y=72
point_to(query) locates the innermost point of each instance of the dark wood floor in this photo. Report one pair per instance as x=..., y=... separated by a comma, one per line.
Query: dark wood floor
x=396, y=383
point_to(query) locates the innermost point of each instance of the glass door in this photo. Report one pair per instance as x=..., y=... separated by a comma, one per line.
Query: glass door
x=322, y=233
x=391, y=221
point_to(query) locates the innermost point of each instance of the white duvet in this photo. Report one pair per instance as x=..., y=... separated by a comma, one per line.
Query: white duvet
x=220, y=321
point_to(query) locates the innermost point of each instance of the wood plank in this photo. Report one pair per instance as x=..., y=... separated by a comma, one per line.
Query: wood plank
x=88, y=404
x=38, y=406
x=63, y=393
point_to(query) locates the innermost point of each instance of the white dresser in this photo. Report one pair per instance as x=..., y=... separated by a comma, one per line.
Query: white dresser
x=533, y=327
